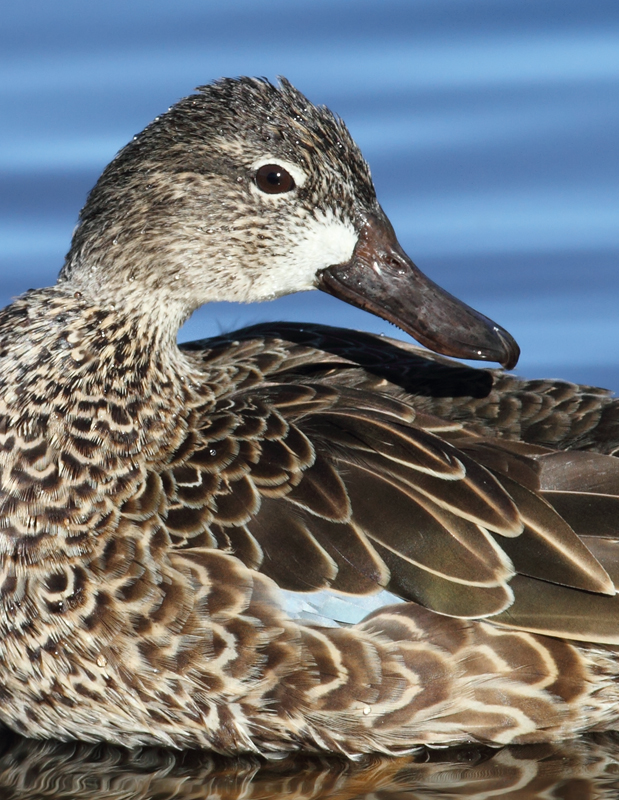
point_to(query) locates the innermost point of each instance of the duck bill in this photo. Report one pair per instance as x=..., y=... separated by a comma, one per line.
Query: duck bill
x=382, y=279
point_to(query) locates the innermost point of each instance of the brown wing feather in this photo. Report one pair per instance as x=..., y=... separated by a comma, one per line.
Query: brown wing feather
x=361, y=486
x=555, y=610
x=588, y=513
x=416, y=530
x=549, y=549
x=580, y=472
x=292, y=556
x=440, y=594
x=607, y=553
x=494, y=403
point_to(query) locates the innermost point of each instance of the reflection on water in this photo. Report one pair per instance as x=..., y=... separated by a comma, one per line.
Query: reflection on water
x=579, y=770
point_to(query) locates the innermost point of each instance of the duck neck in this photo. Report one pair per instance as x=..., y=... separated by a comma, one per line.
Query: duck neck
x=77, y=352
x=92, y=399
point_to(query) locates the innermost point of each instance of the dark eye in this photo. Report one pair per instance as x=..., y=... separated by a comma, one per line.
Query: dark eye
x=273, y=179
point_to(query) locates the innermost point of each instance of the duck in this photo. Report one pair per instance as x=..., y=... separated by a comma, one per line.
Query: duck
x=289, y=537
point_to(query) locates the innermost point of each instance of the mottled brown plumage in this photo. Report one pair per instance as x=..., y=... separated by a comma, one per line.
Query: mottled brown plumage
x=292, y=537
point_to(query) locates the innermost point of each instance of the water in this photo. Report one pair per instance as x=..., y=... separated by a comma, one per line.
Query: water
x=578, y=770
x=491, y=130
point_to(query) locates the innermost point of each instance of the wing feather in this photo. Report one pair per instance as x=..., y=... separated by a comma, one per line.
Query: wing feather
x=549, y=549
x=547, y=608
x=291, y=554
x=587, y=513
x=377, y=466
x=403, y=522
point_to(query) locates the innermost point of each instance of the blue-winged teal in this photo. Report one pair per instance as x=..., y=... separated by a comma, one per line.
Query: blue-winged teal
x=292, y=537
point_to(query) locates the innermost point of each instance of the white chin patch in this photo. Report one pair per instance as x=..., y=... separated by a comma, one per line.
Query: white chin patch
x=320, y=241
x=328, y=241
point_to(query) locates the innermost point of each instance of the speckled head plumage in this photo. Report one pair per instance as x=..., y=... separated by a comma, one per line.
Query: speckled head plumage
x=230, y=123
x=178, y=219
x=289, y=127
x=180, y=200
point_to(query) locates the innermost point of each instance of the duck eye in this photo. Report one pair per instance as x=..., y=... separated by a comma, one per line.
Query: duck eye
x=273, y=179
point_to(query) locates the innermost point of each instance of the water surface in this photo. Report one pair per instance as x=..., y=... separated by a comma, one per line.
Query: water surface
x=579, y=770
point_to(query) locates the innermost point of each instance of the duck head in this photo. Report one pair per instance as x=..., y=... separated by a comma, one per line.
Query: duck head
x=243, y=192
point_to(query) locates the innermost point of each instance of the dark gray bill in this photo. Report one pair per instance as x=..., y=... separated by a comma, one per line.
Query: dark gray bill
x=382, y=279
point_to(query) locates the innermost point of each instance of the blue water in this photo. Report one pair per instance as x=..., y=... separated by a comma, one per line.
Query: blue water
x=492, y=130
